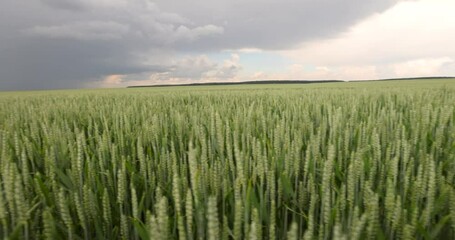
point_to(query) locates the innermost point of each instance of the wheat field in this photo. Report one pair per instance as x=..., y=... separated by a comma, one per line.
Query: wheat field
x=324, y=161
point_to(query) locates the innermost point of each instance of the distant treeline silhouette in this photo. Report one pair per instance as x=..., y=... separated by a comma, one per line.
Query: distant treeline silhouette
x=280, y=82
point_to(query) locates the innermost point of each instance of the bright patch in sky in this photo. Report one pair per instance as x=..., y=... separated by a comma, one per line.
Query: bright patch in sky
x=412, y=39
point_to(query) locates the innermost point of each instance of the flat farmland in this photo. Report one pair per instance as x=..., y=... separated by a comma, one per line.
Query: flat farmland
x=350, y=160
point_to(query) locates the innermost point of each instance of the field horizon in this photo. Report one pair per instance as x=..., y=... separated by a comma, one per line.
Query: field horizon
x=247, y=82
x=264, y=83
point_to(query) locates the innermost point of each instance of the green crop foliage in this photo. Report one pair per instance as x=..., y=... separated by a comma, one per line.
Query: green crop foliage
x=323, y=161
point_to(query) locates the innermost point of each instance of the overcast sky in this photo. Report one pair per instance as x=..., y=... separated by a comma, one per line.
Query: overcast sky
x=49, y=44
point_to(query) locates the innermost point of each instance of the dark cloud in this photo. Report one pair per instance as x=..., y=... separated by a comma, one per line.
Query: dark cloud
x=66, y=4
x=65, y=44
x=61, y=64
x=271, y=24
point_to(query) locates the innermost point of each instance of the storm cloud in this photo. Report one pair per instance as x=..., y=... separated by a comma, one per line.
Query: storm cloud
x=51, y=44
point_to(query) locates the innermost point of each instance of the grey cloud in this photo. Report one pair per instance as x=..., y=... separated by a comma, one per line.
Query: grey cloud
x=183, y=32
x=65, y=4
x=63, y=43
x=92, y=30
x=68, y=64
x=84, y=5
x=189, y=69
x=59, y=49
x=202, y=68
x=192, y=67
x=139, y=21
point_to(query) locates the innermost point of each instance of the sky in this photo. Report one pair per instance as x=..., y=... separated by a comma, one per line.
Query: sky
x=55, y=44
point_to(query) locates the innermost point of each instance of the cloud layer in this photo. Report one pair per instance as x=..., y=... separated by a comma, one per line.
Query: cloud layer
x=115, y=43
